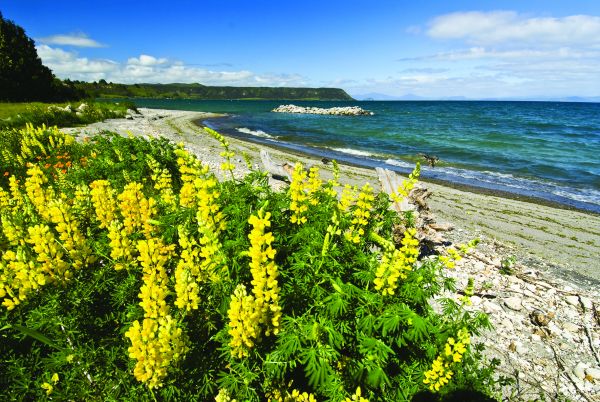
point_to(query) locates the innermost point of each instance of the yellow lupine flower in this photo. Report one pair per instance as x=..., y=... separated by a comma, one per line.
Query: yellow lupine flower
x=156, y=345
x=356, y=397
x=15, y=233
x=34, y=187
x=298, y=197
x=454, y=255
x=361, y=214
x=121, y=246
x=49, y=253
x=314, y=184
x=162, y=181
x=407, y=185
x=5, y=200
x=15, y=192
x=136, y=209
x=244, y=322
x=395, y=263
x=440, y=372
x=223, y=396
x=103, y=198
x=69, y=234
x=349, y=194
x=264, y=272
x=153, y=256
x=19, y=276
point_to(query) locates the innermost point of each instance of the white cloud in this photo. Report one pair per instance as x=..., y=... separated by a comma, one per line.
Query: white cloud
x=510, y=28
x=150, y=69
x=479, y=52
x=503, y=54
x=145, y=60
x=78, y=40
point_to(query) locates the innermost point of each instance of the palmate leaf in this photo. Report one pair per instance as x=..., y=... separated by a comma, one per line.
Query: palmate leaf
x=316, y=364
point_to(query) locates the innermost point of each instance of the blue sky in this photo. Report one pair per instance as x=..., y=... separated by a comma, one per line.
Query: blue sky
x=433, y=49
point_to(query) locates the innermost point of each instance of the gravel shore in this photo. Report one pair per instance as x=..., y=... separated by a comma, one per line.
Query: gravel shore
x=545, y=312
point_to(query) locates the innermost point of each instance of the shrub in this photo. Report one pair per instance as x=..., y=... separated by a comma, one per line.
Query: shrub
x=135, y=273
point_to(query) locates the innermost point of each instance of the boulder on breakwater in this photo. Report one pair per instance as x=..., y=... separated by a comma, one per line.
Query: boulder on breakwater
x=338, y=111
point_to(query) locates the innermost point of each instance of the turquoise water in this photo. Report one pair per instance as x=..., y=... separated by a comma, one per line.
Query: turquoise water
x=541, y=149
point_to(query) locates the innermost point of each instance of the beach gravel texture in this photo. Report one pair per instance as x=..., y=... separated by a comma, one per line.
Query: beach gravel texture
x=536, y=271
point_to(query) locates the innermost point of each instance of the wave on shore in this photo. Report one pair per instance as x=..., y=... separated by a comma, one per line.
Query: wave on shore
x=256, y=133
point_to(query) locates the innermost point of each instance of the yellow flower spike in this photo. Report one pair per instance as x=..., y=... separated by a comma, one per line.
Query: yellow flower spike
x=299, y=199
x=69, y=234
x=122, y=247
x=38, y=195
x=244, y=322
x=454, y=350
x=361, y=214
x=407, y=185
x=136, y=209
x=264, y=272
x=156, y=344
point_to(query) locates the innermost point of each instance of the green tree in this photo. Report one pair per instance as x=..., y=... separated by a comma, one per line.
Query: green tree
x=23, y=77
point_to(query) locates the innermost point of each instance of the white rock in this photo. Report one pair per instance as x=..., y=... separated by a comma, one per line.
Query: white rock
x=476, y=300
x=587, y=303
x=567, y=326
x=507, y=324
x=573, y=300
x=579, y=370
x=514, y=303
x=478, y=265
x=521, y=350
x=536, y=338
x=491, y=307
x=593, y=372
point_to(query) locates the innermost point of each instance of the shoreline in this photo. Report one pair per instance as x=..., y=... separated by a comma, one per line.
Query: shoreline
x=440, y=182
x=564, y=243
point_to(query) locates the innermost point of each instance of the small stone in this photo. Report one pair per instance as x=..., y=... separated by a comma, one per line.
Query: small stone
x=540, y=319
x=491, y=307
x=572, y=300
x=587, y=303
x=514, y=303
x=593, y=372
x=570, y=327
x=536, y=338
x=521, y=350
x=475, y=300
x=506, y=324
x=579, y=370
x=478, y=266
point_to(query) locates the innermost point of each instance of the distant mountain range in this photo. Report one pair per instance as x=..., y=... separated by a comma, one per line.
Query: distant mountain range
x=411, y=97
x=103, y=89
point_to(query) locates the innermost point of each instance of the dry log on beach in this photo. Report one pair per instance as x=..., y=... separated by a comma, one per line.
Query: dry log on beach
x=280, y=172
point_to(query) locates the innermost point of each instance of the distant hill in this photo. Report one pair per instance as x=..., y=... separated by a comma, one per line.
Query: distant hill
x=103, y=89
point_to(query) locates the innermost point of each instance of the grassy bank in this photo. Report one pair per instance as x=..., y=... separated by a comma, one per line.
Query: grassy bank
x=16, y=115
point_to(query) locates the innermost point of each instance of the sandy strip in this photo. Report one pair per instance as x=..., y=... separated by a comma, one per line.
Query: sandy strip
x=565, y=243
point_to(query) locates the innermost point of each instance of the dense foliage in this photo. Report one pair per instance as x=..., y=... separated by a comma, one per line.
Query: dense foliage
x=130, y=271
x=17, y=115
x=103, y=89
x=23, y=77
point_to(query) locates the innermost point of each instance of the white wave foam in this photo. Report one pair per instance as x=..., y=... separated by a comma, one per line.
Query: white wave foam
x=354, y=152
x=256, y=133
x=396, y=162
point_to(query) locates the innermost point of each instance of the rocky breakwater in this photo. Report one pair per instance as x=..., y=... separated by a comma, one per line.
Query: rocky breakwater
x=337, y=111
